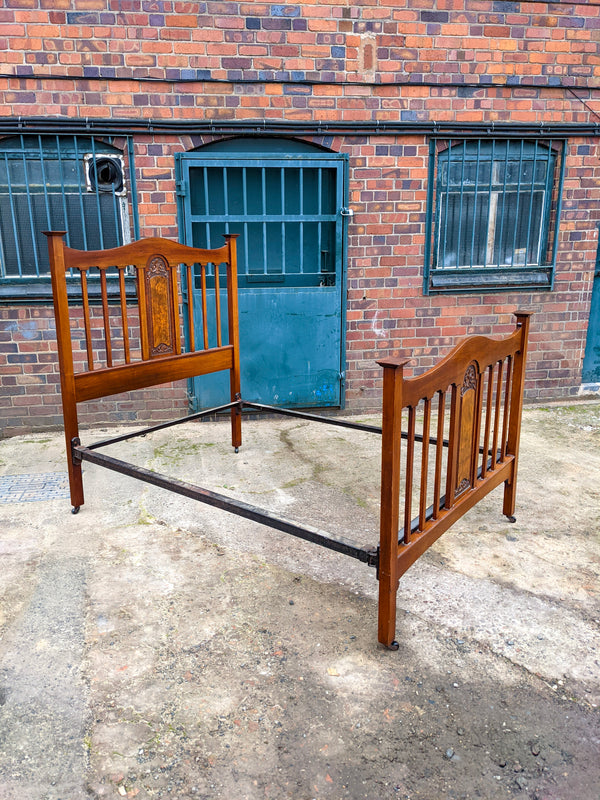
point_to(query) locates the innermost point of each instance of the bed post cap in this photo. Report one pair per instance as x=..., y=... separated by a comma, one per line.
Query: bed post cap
x=394, y=361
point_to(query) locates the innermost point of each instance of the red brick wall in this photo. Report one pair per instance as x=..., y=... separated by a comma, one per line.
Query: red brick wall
x=392, y=62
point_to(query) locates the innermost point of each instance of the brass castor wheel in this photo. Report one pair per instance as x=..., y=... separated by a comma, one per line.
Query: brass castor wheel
x=75, y=509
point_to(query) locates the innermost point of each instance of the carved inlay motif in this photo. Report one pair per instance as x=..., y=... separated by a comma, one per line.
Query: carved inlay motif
x=470, y=379
x=157, y=265
x=464, y=484
x=159, y=304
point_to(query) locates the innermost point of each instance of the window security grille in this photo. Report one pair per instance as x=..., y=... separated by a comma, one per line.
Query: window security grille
x=493, y=214
x=69, y=183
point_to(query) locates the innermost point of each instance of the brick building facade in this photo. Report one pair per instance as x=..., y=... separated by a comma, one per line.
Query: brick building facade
x=470, y=183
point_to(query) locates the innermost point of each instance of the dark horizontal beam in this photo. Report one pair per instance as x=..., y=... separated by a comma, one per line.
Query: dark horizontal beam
x=263, y=127
x=224, y=503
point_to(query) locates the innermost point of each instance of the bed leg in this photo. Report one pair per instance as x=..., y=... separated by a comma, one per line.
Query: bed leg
x=388, y=588
x=75, y=478
x=236, y=424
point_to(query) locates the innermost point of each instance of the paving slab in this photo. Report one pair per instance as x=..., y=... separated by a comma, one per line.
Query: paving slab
x=154, y=647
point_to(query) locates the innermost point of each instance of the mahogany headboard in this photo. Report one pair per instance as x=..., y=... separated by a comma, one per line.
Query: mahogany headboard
x=139, y=341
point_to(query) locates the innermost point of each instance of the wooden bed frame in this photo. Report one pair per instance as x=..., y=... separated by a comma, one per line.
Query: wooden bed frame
x=461, y=420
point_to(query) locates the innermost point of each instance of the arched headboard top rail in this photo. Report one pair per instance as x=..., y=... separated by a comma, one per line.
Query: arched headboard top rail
x=137, y=254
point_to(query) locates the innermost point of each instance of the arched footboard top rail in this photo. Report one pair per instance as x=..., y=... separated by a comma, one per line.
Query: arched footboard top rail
x=461, y=421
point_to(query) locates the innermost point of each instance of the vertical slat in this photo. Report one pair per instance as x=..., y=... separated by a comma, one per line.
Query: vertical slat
x=475, y=202
x=97, y=195
x=502, y=210
x=489, y=207
x=28, y=183
x=143, y=313
x=503, y=441
x=453, y=446
x=218, y=307
x=424, y=463
x=86, y=319
x=263, y=174
x=447, y=204
x=439, y=451
x=175, y=303
x=206, y=205
x=301, y=204
x=410, y=466
x=497, y=414
x=13, y=212
x=106, y=318
x=124, y=320
x=283, y=248
x=488, y=420
x=204, y=306
x=190, y=308
x=519, y=172
x=82, y=215
x=476, y=431
x=45, y=183
x=461, y=197
x=245, y=213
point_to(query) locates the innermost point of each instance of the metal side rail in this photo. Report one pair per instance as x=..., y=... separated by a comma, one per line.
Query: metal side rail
x=310, y=534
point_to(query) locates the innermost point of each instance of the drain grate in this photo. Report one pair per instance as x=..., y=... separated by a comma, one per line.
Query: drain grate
x=34, y=487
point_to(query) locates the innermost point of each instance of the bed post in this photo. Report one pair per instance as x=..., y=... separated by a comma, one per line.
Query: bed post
x=516, y=412
x=387, y=572
x=234, y=338
x=65, y=361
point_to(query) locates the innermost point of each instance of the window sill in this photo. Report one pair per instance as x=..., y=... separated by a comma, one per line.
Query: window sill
x=463, y=281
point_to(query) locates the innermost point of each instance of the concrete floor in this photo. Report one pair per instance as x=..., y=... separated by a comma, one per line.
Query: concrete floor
x=155, y=647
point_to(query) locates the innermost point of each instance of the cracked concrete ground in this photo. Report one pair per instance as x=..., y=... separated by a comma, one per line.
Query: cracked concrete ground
x=153, y=647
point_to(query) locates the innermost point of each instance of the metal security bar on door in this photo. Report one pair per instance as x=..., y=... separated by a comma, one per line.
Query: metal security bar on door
x=287, y=218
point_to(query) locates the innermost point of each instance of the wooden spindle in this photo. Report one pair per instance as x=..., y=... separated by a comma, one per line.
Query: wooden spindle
x=476, y=431
x=504, y=440
x=218, y=307
x=439, y=451
x=424, y=464
x=410, y=465
x=190, y=308
x=106, y=318
x=86, y=319
x=204, y=306
x=124, y=320
x=453, y=447
x=175, y=305
x=497, y=414
x=488, y=420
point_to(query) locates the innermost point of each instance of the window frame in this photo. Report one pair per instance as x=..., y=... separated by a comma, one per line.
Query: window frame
x=493, y=151
x=19, y=289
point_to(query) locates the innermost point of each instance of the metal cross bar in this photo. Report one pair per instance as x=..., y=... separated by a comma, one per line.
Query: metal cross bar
x=238, y=507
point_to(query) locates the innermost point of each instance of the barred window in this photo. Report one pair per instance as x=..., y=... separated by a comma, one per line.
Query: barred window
x=71, y=183
x=493, y=214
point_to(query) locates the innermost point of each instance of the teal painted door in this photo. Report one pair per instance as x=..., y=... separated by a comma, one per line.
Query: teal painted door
x=288, y=212
x=591, y=362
